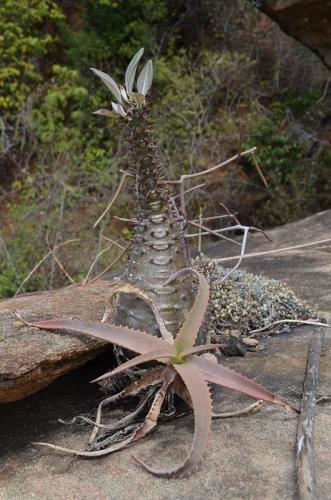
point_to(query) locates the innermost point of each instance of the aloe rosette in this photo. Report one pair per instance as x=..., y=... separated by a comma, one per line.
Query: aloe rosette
x=180, y=367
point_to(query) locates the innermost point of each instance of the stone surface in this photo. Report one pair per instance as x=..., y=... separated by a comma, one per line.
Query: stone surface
x=247, y=458
x=31, y=359
x=308, y=21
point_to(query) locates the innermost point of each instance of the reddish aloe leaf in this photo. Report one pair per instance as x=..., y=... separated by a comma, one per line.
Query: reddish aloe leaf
x=165, y=352
x=188, y=333
x=200, y=348
x=220, y=375
x=118, y=288
x=134, y=340
x=201, y=401
x=152, y=377
x=150, y=422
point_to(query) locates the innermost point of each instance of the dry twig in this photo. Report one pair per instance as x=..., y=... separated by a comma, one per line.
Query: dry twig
x=185, y=177
x=112, y=264
x=58, y=262
x=216, y=233
x=282, y=321
x=278, y=250
x=238, y=413
x=36, y=267
x=62, y=268
x=114, y=198
x=95, y=260
x=114, y=242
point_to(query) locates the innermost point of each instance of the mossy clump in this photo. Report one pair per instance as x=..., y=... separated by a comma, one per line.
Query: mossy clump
x=244, y=301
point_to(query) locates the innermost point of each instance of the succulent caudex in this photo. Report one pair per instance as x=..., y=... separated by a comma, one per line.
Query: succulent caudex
x=157, y=250
x=183, y=372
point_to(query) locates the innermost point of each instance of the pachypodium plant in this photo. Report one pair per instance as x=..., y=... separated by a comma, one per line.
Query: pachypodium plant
x=157, y=249
x=179, y=369
x=155, y=298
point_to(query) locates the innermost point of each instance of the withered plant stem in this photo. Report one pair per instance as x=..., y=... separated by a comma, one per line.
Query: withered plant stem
x=185, y=177
x=278, y=250
x=282, y=321
x=114, y=198
x=36, y=267
x=238, y=413
x=112, y=264
x=62, y=268
x=95, y=260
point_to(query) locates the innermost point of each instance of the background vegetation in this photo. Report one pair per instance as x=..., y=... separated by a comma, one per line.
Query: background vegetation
x=220, y=67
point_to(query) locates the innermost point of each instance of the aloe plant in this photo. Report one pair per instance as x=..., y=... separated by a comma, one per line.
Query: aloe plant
x=157, y=249
x=180, y=369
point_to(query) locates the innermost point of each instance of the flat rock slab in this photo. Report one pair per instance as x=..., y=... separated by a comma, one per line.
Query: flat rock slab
x=250, y=457
x=29, y=358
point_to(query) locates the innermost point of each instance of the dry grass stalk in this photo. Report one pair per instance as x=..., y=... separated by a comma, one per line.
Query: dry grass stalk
x=37, y=266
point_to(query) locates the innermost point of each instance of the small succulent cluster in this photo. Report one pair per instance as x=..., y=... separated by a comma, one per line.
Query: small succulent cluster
x=126, y=99
x=245, y=301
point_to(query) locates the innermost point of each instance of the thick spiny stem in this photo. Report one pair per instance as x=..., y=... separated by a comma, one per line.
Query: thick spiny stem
x=145, y=164
x=158, y=246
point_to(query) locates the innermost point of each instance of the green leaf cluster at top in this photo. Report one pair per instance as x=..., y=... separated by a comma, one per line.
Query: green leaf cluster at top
x=126, y=98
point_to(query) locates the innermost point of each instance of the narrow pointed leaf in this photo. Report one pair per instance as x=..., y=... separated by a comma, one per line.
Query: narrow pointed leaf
x=118, y=108
x=134, y=340
x=201, y=402
x=104, y=112
x=145, y=78
x=124, y=94
x=201, y=348
x=188, y=333
x=153, y=355
x=131, y=71
x=110, y=82
x=221, y=375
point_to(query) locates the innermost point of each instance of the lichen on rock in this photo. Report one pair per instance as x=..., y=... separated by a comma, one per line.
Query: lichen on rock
x=244, y=302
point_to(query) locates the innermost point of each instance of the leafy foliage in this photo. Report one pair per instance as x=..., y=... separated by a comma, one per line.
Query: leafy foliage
x=294, y=160
x=26, y=36
x=222, y=67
